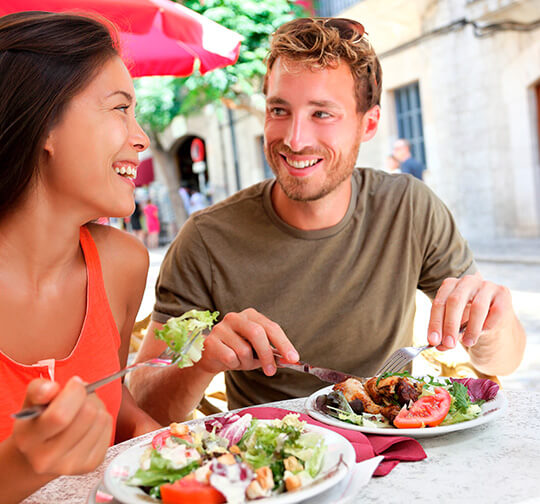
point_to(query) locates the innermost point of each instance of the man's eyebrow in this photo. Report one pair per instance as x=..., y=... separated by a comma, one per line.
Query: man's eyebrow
x=324, y=104
x=274, y=100
x=123, y=93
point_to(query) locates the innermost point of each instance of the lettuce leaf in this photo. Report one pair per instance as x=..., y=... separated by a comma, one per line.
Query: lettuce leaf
x=179, y=330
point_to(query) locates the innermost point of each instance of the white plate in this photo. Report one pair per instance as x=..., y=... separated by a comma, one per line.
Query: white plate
x=125, y=464
x=490, y=411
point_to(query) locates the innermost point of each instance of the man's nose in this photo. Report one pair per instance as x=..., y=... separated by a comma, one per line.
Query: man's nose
x=298, y=135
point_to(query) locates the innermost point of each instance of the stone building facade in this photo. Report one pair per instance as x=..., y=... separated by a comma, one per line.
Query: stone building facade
x=469, y=73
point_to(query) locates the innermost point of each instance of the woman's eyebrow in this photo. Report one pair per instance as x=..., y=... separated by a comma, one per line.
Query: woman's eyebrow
x=124, y=93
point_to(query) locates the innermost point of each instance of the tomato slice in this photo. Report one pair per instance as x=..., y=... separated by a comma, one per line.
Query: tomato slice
x=190, y=491
x=159, y=439
x=428, y=411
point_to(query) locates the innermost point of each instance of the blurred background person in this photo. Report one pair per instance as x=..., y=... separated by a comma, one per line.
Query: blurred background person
x=402, y=152
x=151, y=215
x=392, y=164
x=135, y=222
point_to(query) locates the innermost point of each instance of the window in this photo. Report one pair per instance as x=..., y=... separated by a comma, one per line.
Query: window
x=409, y=119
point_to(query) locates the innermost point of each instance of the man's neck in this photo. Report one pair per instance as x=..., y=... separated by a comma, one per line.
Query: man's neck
x=311, y=215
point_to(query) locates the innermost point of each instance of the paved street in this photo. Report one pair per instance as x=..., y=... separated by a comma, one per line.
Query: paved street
x=515, y=264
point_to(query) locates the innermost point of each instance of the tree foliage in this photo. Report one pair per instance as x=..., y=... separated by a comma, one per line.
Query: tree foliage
x=162, y=98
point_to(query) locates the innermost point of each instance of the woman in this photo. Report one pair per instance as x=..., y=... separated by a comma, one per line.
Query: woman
x=69, y=289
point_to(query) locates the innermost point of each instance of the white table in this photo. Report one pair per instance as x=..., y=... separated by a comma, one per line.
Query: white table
x=495, y=462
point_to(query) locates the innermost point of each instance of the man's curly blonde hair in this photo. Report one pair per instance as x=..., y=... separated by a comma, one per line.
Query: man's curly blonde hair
x=320, y=43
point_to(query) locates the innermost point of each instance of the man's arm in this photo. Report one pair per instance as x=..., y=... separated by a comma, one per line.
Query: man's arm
x=494, y=337
x=242, y=340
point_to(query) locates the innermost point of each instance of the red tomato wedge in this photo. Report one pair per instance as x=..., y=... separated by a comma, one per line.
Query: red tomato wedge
x=428, y=411
x=190, y=491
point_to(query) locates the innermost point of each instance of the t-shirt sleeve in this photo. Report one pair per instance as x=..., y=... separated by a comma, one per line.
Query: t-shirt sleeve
x=185, y=278
x=445, y=253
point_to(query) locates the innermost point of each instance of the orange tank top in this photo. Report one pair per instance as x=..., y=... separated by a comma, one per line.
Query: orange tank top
x=94, y=356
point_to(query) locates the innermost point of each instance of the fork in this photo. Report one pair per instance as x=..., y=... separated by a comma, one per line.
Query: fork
x=402, y=356
x=167, y=358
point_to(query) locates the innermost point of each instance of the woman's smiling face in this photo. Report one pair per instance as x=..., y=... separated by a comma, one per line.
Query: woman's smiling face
x=91, y=155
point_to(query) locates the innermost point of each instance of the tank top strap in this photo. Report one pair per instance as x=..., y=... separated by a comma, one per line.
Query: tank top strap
x=98, y=308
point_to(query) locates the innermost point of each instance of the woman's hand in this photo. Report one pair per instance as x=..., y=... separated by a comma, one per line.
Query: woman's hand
x=71, y=436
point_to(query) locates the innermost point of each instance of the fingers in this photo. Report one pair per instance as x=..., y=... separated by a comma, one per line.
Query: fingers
x=72, y=434
x=469, y=299
x=234, y=341
x=40, y=391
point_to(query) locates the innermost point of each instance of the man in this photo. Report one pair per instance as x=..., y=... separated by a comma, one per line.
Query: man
x=402, y=152
x=323, y=262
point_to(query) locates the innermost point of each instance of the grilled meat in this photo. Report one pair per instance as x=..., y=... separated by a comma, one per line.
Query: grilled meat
x=353, y=389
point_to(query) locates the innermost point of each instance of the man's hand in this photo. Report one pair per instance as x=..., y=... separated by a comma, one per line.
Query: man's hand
x=245, y=340
x=494, y=336
x=483, y=305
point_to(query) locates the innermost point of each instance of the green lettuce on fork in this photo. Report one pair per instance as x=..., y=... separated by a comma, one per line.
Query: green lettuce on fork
x=178, y=331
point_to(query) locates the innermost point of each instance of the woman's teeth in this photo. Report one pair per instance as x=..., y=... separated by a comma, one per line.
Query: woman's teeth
x=126, y=171
x=302, y=164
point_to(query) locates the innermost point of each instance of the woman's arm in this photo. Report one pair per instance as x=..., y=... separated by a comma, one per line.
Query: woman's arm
x=124, y=261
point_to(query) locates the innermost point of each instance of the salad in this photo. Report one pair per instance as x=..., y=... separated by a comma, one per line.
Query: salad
x=178, y=331
x=401, y=401
x=230, y=459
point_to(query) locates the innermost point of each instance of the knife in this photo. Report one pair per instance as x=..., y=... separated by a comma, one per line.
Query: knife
x=323, y=374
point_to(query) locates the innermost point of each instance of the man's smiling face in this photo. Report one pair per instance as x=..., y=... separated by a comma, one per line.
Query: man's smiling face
x=312, y=128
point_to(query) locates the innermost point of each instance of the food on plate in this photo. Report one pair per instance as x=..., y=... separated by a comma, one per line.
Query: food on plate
x=404, y=402
x=178, y=331
x=230, y=459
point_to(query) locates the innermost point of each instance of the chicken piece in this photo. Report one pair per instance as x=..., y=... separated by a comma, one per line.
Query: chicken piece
x=391, y=412
x=292, y=482
x=292, y=464
x=354, y=389
x=262, y=485
x=392, y=389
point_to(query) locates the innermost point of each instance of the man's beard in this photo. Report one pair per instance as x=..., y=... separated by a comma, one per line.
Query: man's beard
x=295, y=188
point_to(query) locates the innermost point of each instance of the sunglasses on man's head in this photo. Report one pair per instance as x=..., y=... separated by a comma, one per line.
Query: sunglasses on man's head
x=348, y=29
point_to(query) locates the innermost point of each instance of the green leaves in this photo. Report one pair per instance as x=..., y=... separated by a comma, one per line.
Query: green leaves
x=160, y=99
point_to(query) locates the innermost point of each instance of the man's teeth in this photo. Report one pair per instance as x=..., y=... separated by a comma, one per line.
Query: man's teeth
x=302, y=164
x=126, y=171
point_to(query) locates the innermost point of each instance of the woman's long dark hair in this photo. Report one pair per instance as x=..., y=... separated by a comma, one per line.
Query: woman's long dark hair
x=45, y=60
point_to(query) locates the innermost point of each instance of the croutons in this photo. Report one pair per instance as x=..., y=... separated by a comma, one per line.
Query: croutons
x=292, y=464
x=235, y=450
x=227, y=459
x=292, y=483
x=179, y=430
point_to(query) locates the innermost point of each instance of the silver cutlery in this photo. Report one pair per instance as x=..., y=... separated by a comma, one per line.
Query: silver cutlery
x=401, y=357
x=167, y=358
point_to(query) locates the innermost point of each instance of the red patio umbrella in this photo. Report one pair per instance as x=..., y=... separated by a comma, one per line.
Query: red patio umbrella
x=158, y=37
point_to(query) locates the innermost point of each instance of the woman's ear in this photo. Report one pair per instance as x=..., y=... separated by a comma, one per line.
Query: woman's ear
x=370, y=122
x=48, y=145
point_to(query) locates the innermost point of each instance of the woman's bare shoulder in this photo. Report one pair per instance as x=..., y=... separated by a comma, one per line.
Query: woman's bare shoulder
x=119, y=251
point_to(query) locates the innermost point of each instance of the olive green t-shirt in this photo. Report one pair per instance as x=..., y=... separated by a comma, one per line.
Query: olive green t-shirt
x=344, y=295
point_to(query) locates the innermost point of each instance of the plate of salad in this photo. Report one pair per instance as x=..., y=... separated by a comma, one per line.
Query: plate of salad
x=400, y=404
x=231, y=459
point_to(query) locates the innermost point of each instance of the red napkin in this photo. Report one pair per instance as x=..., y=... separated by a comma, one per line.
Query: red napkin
x=394, y=449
